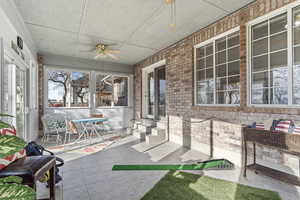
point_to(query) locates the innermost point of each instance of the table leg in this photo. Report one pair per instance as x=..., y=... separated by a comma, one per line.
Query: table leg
x=245, y=158
x=254, y=152
x=52, y=183
x=84, y=132
x=95, y=130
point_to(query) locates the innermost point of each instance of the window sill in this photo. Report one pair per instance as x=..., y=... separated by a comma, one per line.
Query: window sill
x=217, y=105
x=113, y=107
x=68, y=108
x=104, y=107
x=280, y=106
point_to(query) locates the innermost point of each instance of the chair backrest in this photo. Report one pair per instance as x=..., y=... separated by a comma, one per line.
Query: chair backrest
x=71, y=127
x=53, y=122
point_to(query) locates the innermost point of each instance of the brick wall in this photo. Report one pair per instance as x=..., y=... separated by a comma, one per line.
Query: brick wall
x=179, y=75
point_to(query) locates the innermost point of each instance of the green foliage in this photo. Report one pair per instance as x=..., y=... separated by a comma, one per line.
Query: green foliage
x=11, y=189
x=16, y=192
x=4, y=124
x=11, y=179
x=5, y=115
x=10, y=145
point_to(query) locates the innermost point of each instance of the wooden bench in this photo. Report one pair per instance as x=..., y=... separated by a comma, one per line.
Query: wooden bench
x=31, y=169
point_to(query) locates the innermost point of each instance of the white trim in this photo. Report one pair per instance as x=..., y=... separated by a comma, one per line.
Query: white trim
x=1, y=76
x=155, y=65
x=213, y=41
x=92, y=87
x=217, y=37
x=46, y=70
x=144, y=98
x=113, y=76
x=290, y=58
x=288, y=10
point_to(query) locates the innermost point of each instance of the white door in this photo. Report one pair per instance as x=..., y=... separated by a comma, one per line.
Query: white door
x=20, y=103
x=14, y=95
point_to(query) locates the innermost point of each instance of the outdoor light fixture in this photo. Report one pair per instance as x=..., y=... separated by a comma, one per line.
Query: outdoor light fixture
x=172, y=4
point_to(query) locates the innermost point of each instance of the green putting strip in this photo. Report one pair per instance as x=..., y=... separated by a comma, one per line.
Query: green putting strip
x=200, y=166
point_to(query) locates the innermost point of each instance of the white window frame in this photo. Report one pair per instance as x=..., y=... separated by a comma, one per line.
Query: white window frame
x=47, y=69
x=202, y=44
x=113, y=75
x=92, y=87
x=289, y=10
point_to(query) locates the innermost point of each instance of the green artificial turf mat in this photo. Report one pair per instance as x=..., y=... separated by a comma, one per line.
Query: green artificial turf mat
x=199, y=166
x=178, y=185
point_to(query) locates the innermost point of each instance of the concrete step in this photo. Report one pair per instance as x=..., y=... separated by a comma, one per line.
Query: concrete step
x=144, y=128
x=135, y=125
x=159, y=132
x=148, y=122
x=139, y=134
x=143, y=146
x=155, y=139
x=161, y=124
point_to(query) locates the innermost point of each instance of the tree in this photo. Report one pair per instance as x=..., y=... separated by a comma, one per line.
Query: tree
x=61, y=78
x=80, y=85
x=80, y=93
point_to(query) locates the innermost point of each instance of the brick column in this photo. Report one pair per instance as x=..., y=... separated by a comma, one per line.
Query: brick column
x=243, y=66
x=40, y=90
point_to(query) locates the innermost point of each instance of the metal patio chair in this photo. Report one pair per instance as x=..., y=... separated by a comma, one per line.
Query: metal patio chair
x=54, y=126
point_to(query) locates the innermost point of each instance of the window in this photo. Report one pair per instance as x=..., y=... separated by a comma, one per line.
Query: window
x=120, y=91
x=218, y=71
x=269, y=60
x=111, y=90
x=68, y=89
x=296, y=51
x=79, y=89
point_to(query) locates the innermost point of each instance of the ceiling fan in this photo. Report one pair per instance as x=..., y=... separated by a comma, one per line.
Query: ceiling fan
x=103, y=51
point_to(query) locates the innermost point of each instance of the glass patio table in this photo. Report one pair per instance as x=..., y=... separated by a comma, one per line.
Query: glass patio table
x=89, y=126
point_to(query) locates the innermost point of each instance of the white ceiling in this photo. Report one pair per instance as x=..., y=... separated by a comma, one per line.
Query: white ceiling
x=140, y=28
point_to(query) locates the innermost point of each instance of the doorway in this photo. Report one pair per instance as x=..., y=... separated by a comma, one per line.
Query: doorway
x=14, y=95
x=154, y=90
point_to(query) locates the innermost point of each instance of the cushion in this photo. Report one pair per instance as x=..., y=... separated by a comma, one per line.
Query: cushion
x=268, y=124
x=296, y=130
x=11, y=147
x=284, y=126
x=8, y=131
x=258, y=126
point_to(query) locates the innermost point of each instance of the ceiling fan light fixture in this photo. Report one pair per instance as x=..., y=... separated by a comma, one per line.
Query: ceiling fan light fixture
x=172, y=4
x=169, y=1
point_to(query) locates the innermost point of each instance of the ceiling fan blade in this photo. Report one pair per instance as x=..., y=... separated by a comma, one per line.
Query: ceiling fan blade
x=112, y=56
x=113, y=51
x=100, y=56
x=89, y=50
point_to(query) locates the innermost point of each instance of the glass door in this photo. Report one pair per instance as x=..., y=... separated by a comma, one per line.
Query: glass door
x=7, y=99
x=156, y=93
x=14, y=96
x=150, y=95
x=161, y=92
x=20, y=102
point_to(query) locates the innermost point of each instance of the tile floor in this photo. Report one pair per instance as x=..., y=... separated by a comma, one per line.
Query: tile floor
x=89, y=177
